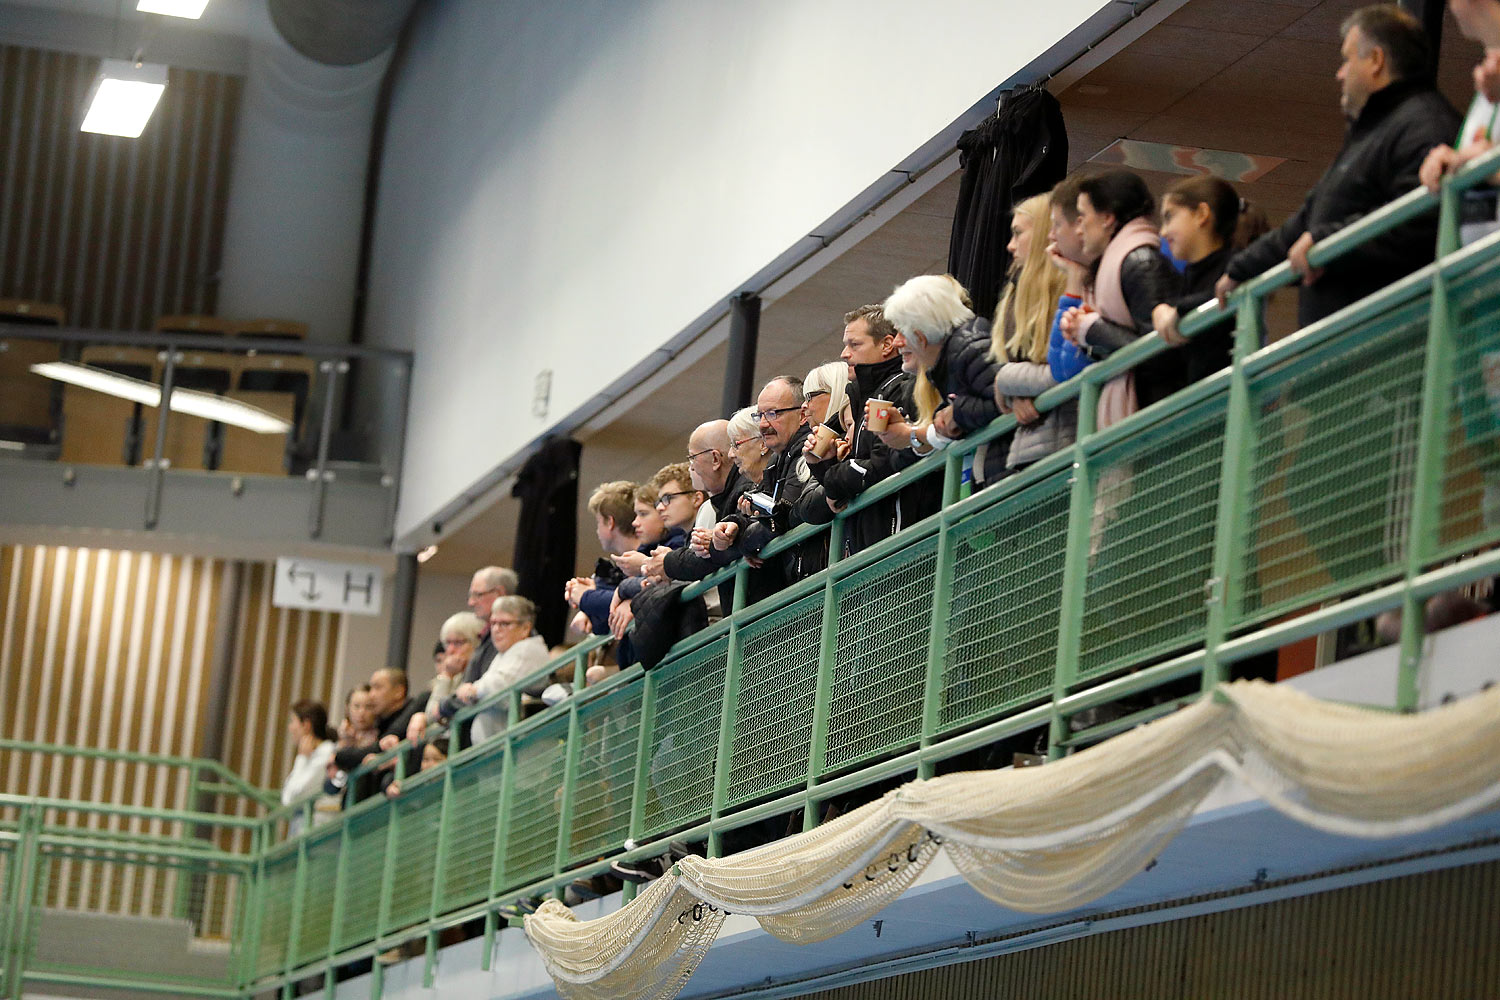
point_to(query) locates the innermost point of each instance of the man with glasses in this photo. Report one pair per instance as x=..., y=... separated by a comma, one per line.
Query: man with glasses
x=487, y=585
x=771, y=509
x=714, y=474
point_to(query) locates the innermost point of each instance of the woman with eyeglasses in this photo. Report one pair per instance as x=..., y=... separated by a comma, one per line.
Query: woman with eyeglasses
x=519, y=652
x=459, y=637
x=747, y=449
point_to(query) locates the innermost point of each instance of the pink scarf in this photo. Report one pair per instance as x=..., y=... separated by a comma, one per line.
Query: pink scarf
x=1117, y=400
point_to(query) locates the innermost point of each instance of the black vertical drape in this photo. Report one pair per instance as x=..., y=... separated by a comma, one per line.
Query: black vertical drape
x=1019, y=151
x=547, y=535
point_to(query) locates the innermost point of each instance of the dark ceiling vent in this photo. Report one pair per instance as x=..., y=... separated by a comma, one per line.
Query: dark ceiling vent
x=340, y=32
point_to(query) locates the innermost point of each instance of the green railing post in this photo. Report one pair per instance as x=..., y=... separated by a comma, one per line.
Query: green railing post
x=1427, y=482
x=183, y=878
x=29, y=867
x=255, y=915
x=388, y=872
x=640, y=782
x=439, y=869
x=570, y=778
x=1223, y=589
x=502, y=833
x=727, y=706
x=828, y=639
x=299, y=890
x=336, y=917
x=942, y=593
x=1075, y=568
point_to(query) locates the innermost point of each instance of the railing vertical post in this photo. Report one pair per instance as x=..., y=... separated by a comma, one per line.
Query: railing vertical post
x=28, y=865
x=942, y=592
x=1427, y=482
x=569, y=793
x=640, y=782
x=827, y=648
x=1075, y=567
x=387, y=874
x=299, y=891
x=254, y=913
x=439, y=876
x=497, y=855
x=336, y=917
x=1222, y=590
x=184, y=878
x=727, y=707
x=157, y=463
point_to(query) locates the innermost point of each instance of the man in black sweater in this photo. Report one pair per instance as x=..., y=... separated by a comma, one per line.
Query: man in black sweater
x=394, y=707
x=716, y=475
x=1396, y=116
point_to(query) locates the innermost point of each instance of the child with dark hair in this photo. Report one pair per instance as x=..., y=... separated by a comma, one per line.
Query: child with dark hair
x=1205, y=222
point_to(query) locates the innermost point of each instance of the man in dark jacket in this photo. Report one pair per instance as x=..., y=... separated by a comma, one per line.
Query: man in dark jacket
x=488, y=584
x=870, y=351
x=394, y=708
x=1397, y=116
x=716, y=475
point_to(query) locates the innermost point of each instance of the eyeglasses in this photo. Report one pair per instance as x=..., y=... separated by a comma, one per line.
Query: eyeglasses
x=769, y=415
x=666, y=498
x=817, y=392
x=505, y=623
x=694, y=454
x=745, y=441
x=455, y=642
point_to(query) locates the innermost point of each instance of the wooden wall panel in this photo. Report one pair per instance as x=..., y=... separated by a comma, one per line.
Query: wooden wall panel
x=114, y=649
x=118, y=231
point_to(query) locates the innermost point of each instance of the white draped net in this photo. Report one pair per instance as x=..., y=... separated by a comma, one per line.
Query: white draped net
x=1047, y=839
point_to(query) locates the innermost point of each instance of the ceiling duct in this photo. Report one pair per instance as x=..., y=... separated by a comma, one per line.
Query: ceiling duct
x=340, y=32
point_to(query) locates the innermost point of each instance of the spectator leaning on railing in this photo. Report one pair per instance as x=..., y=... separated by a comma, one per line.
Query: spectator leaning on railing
x=1479, y=20
x=519, y=652
x=488, y=584
x=1397, y=118
x=308, y=728
x=711, y=470
x=394, y=707
x=613, y=509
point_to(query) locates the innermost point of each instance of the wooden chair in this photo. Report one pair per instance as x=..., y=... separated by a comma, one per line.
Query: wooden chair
x=29, y=404
x=273, y=329
x=252, y=452
x=192, y=442
x=100, y=429
x=207, y=326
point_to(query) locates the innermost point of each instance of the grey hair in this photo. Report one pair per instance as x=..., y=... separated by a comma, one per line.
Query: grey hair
x=515, y=604
x=832, y=378
x=465, y=625
x=499, y=577
x=743, y=425
x=792, y=382
x=930, y=304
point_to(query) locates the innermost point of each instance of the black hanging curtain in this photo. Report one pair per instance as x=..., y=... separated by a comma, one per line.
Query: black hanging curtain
x=1019, y=151
x=547, y=535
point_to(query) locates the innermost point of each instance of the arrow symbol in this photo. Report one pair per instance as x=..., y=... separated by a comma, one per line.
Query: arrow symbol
x=311, y=593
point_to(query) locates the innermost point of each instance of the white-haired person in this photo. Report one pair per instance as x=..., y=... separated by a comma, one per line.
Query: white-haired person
x=459, y=636
x=519, y=651
x=939, y=336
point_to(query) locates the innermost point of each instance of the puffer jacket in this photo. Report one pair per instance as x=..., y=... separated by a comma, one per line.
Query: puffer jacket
x=1057, y=429
x=965, y=377
x=1147, y=279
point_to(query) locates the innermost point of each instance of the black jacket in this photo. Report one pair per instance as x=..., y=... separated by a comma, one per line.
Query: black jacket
x=1382, y=153
x=1213, y=349
x=1147, y=280
x=789, y=482
x=684, y=564
x=869, y=461
x=965, y=372
x=391, y=724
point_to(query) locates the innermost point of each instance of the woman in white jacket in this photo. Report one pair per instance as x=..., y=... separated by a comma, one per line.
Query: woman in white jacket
x=308, y=727
x=519, y=652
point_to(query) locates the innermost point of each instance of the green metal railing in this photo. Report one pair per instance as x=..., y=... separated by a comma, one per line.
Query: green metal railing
x=1321, y=479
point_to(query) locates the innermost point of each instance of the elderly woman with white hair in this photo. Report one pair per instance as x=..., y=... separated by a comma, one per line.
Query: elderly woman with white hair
x=520, y=652
x=940, y=338
x=459, y=637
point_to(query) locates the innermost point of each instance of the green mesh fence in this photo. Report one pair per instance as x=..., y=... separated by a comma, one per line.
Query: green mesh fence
x=880, y=659
x=418, y=813
x=1329, y=491
x=366, y=865
x=684, y=742
x=320, y=886
x=473, y=817
x=275, y=927
x=1151, y=541
x=7, y=859
x=1470, y=514
x=530, y=850
x=773, y=715
x=1003, y=611
x=608, y=734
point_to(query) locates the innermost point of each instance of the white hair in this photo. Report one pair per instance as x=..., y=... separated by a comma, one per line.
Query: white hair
x=743, y=424
x=464, y=625
x=930, y=304
x=832, y=378
x=499, y=577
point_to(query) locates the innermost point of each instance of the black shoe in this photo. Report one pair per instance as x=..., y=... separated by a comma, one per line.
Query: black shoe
x=640, y=871
x=517, y=909
x=584, y=889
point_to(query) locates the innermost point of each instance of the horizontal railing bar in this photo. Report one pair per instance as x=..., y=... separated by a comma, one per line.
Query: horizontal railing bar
x=200, y=342
x=144, y=812
x=137, y=985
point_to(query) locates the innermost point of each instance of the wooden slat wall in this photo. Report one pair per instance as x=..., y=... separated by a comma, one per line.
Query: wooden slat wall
x=113, y=649
x=118, y=231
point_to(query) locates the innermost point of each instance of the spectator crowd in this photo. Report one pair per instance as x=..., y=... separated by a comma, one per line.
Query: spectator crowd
x=1098, y=262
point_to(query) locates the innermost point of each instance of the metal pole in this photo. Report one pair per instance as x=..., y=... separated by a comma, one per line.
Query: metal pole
x=319, y=474
x=727, y=705
x=739, y=367
x=1075, y=569
x=403, y=605
x=158, y=458
x=828, y=638
x=942, y=594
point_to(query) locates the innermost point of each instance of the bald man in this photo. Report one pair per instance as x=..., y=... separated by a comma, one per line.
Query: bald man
x=714, y=474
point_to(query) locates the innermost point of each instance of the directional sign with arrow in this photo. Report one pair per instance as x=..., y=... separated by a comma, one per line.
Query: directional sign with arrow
x=327, y=586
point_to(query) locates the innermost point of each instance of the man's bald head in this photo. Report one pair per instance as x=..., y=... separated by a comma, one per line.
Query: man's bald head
x=708, y=456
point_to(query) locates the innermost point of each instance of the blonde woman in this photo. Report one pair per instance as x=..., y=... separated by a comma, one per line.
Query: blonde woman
x=826, y=394
x=1020, y=337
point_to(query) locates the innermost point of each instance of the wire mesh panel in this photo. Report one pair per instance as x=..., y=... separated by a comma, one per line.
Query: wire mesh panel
x=1003, y=609
x=360, y=893
x=1329, y=492
x=1471, y=467
x=472, y=818
x=535, y=803
x=684, y=740
x=608, y=731
x=1151, y=541
x=773, y=715
x=275, y=925
x=418, y=810
x=318, y=890
x=164, y=951
x=6, y=860
x=880, y=656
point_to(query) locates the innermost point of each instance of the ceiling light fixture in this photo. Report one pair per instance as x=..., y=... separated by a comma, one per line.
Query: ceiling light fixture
x=123, y=96
x=173, y=8
x=189, y=401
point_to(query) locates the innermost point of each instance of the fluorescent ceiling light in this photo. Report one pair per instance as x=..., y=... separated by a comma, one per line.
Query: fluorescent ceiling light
x=189, y=401
x=173, y=8
x=123, y=96
x=427, y=553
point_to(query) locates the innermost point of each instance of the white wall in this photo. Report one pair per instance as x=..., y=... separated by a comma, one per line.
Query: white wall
x=366, y=637
x=568, y=186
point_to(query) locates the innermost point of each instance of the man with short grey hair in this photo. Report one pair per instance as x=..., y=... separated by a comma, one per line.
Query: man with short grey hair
x=488, y=585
